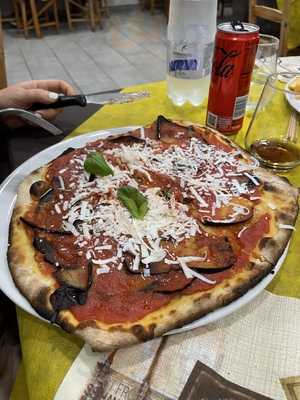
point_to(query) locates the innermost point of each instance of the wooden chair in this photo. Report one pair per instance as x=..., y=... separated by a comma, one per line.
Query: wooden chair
x=222, y=5
x=3, y=80
x=274, y=15
x=152, y=4
x=12, y=17
x=166, y=8
x=90, y=11
x=104, y=8
x=32, y=15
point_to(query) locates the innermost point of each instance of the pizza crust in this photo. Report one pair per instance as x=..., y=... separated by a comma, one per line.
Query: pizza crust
x=176, y=314
x=184, y=308
x=286, y=197
x=21, y=254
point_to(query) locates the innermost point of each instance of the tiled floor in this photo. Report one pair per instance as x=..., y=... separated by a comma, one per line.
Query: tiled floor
x=130, y=49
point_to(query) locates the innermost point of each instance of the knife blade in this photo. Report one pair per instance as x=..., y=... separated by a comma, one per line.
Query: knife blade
x=82, y=100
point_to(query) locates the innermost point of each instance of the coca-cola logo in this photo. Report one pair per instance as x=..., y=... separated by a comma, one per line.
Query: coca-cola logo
x=223, y=66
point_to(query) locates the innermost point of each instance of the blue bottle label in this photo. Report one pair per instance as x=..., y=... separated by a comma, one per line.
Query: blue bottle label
x=191, y=64
x=189, y=60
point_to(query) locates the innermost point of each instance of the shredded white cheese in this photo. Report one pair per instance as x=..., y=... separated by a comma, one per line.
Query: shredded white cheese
x=209, y=174
x=105, y=247
x=272, y=206
x=190, y=273
x=105, y=261
x=193, y=258
x=241, y=231
x=142, y=131
x=57, y=208
x=284, y=226
x=103, y=270
x=254, y=198
x=61, y=182
x=252, y=178
x=198, y=198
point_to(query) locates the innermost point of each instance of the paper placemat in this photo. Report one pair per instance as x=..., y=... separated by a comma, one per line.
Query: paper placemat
x=254, y=347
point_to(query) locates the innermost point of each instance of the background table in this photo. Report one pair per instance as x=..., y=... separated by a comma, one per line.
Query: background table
x=48, y=352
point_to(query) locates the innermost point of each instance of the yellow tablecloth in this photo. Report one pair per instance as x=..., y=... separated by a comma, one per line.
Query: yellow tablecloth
x=48, y=352
x=294, y=23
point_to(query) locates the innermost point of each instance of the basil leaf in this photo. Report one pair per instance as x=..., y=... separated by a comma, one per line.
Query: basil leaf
x=134, y=201
x=95, y=164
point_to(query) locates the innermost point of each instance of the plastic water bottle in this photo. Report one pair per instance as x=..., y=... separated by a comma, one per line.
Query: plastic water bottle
x=191, y=33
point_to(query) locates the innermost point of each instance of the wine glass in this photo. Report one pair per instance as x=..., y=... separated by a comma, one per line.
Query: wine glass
x=273, y=136
x=265, y=65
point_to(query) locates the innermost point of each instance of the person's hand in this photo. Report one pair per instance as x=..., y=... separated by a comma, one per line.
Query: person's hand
x=24, y=94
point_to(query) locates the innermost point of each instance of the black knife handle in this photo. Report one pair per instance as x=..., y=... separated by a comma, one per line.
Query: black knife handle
x=62, y=101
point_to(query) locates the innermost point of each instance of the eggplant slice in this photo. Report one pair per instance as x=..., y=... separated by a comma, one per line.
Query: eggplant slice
x=45, y=247
x=172, y=282
x=166, y=130
x=222, y=253
x=213, y=252
x=43, y=228
x=161, y=267
x=40, y=189
x=128, y=262
x=77, y=278
x=156, y=268
x=67, y=296
x=238, y=210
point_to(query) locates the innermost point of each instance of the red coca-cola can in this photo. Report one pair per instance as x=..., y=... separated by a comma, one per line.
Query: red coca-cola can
x=234, y=57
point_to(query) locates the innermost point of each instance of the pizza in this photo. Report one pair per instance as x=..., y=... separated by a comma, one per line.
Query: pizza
x=129, y=237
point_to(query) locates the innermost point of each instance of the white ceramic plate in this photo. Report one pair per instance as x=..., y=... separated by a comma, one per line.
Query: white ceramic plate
x=293, y=101
x=8, y=191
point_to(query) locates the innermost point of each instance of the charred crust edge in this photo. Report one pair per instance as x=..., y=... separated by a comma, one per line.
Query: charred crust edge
x=143, y=334
x=271, y=187
x=41, y=303
x=266, y=243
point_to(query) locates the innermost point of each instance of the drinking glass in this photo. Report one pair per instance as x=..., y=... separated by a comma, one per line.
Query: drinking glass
x=265, y=65
x=273, y=136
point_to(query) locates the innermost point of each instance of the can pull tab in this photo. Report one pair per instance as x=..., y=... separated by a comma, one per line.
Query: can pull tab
x=238, y=26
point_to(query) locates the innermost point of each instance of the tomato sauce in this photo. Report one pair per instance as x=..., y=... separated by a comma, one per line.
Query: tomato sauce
x=119, y=296
x=215, y=141
x=251, y=235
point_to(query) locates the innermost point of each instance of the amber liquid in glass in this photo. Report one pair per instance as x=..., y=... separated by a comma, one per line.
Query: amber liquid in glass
x=276, y=151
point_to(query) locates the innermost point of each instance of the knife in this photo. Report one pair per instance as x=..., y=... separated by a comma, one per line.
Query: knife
x=82, y=100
